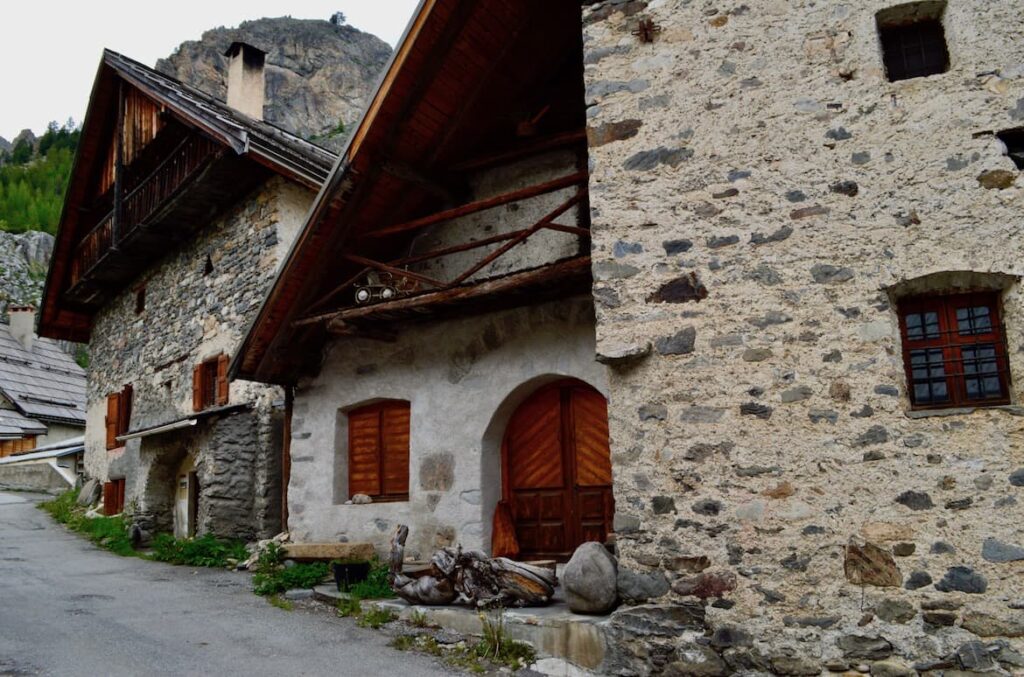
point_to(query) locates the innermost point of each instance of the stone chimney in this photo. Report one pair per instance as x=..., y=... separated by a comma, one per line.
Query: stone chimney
x=245, y=79
x=23, y=324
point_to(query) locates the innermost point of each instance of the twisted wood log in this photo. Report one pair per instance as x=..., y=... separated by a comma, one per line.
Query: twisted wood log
x=470, y=577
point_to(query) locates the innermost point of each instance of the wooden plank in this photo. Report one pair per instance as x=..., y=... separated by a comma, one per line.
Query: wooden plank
x=506, y=283
x=400, y=272
x=482, y=205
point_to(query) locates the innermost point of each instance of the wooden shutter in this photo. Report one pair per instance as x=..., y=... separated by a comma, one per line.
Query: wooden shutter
x=394, y=436
x=109, y=498
x=112, y=422
x=197, y=388
x=124, y=415
x=364, y=452
x=222, y=380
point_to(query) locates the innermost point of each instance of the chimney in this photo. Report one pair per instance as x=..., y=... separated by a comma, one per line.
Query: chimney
x=23, y=324
x=245, y=79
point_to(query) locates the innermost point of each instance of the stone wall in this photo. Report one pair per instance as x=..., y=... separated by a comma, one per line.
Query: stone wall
x=463, y=379
x=198, y=302
x=32, y=476
x=760, y=194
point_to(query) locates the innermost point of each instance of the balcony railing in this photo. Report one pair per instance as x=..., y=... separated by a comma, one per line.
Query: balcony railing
x=138, y=206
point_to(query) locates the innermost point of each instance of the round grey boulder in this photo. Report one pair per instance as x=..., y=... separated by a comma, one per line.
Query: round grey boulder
x=590, y=580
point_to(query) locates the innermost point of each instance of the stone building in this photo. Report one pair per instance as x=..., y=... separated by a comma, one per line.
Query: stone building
x=806, y=258
x=179, y=210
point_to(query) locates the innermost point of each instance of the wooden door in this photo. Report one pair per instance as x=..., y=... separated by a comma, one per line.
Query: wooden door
x=557, y=470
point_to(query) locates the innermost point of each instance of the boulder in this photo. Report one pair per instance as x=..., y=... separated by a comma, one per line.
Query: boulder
x=590, y=580
x=90, y=493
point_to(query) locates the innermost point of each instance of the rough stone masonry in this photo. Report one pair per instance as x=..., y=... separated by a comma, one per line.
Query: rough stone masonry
x=762, y=194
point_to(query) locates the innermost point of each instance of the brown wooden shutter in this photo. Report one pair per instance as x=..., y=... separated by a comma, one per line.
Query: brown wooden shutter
x=119, y=503
x=109, y=498
x=223, y=394
x=112, y=421
x=125, y=410
x=364, y=452
x=197, y=388
x=394, y=436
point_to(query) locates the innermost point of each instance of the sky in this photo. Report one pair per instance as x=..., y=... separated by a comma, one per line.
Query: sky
x=49, y=51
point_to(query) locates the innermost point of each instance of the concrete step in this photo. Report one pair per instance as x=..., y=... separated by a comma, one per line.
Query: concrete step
x=329, y=551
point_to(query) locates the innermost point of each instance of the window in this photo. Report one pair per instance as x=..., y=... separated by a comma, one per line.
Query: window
x=913, y=40
x=954, y=351
x=113, y=497
x=11, y=447
x=1013, y=139
x=210, y=383
x=378, y=451
x=119, y=415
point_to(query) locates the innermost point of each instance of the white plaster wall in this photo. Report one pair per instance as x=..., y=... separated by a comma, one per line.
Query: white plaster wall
x=58, y=432
x=463, y=379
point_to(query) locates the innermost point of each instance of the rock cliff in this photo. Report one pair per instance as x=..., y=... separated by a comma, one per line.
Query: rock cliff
x=24, y=258
x=319, y=75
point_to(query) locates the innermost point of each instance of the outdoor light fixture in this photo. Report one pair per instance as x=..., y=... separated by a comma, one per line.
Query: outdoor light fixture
x=377, y=287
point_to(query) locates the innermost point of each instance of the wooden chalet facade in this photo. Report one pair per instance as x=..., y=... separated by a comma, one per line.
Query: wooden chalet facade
x=178, y=211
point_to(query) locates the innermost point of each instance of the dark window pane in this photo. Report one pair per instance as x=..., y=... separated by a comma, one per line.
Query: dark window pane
x=973, y=320
x=981, y=372
x=914, y=50
x=922, y=326
x=929, y=376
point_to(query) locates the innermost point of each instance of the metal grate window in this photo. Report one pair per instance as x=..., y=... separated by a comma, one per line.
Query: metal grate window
x=955, y=351
x=914, y=50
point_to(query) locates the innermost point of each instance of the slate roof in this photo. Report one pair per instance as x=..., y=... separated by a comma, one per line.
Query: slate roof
x=243, y=133
x=44, y=384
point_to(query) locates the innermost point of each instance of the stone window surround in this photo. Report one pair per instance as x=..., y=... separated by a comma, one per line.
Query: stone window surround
x=948, y=283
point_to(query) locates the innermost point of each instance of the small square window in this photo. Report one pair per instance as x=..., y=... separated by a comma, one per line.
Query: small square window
x=1013, y=139
x=913, y=40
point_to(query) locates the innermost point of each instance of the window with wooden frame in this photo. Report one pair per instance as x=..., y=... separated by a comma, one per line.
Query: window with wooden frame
x=378, y=451
x=210, y=383
x=119, y=415
x=954, y=351
x=113, y=497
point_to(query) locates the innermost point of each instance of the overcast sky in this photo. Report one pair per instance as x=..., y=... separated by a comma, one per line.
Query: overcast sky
x=49, y=51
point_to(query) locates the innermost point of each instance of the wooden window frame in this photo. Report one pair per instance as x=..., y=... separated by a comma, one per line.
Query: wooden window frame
x=119, y=415
x=951, y=342
x=380, y=409
x=210, y=386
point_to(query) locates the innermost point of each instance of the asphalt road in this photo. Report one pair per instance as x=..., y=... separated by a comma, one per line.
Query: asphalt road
x=67, y=608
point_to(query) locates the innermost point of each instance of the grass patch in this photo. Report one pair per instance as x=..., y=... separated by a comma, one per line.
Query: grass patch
x=498, y=647
x=349, y=606
x=272, y=577
x=205, y=551
x=111, y=533
x=280, y=602
x=418, y=619
x=376, y=618
x=403, y=642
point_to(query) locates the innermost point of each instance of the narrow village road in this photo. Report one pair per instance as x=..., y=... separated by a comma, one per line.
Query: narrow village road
x=67, y=608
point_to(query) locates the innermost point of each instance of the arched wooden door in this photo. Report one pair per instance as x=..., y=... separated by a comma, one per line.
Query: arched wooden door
x=557, y=471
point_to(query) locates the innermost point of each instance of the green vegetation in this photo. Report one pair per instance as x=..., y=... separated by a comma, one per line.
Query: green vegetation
x=111, y=533
x=107, y=532
x=498, y=647
x=205, y=551
x=280, y=602
x=349, y=606
x=494, y=650
x=418, y=619
x=33, y=180
x=273, y=577
x=376, y=617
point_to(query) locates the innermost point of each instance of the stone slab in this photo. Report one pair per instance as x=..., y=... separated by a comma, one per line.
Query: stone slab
x=329, y=551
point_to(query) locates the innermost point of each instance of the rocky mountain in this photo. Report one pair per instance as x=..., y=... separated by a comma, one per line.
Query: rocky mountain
x=24, y=258
x=5, y=145
x=319, y=74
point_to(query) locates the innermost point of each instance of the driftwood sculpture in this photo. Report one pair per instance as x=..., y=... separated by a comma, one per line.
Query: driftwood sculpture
x=460, y=576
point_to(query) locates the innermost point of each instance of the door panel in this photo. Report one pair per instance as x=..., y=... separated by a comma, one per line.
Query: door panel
x=557, y=467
